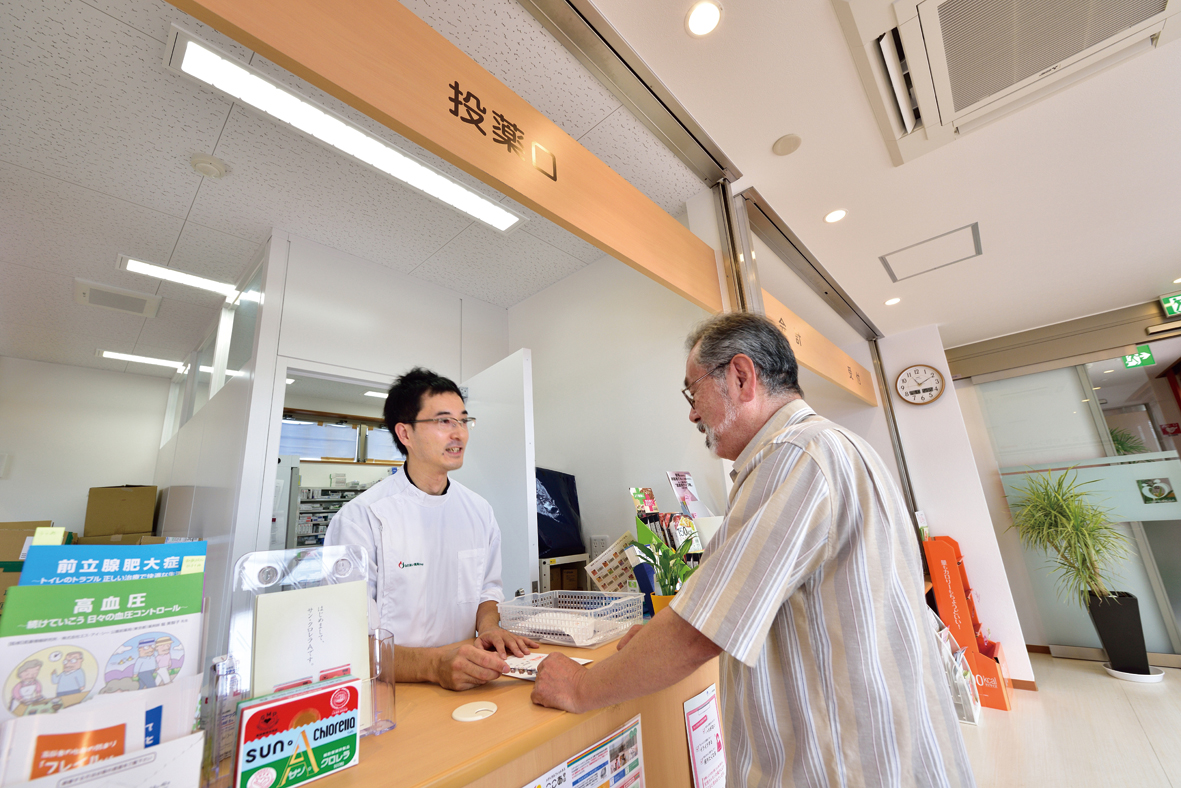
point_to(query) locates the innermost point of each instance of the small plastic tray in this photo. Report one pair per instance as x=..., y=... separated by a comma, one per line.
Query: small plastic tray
x=572, y=618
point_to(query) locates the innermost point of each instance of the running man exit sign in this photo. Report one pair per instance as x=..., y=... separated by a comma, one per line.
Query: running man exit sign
x=1141, y=358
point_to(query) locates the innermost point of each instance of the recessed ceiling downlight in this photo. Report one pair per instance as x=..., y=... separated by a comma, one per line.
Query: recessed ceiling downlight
x=702, y=18
x=893, y=301
x=788, y=143
x=835, y=216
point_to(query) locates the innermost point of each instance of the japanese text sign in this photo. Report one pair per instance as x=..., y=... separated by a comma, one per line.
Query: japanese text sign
x=59, y=608
x=75, y=564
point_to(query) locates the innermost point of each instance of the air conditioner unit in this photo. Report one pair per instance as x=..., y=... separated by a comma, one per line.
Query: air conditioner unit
x=936, y=69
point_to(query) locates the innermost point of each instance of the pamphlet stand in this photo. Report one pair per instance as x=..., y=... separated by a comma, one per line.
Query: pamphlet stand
x=255, y=574
x=953, y=597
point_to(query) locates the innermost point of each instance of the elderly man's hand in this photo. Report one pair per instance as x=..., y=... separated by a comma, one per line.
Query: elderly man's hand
x=502, y=642
x=467, y=666
x=558, y=680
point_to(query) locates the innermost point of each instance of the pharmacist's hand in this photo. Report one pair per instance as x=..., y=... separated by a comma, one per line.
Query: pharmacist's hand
x=502, y=642
x=467, y=666
x=558, y=679
x=631, y=633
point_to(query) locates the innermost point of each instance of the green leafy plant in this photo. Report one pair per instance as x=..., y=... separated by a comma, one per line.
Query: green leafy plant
x=1055, y=514
x=1125, y=442
x=668, y=564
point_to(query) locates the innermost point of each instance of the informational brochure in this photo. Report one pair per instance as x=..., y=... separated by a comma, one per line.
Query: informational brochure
x=175, y=764
x=300, y=736
x=644, y=499
x=310, y=635
x=111, y=725
x=70, y=564
x=61, y=645
x=707, y=754
x=686, y=492
x=526, y=667
x=614, y=762
x=612, y=571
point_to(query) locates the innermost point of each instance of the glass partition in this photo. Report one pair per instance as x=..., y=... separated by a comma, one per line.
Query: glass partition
x=245, y=319
x=204, y=371
x=1099, y=424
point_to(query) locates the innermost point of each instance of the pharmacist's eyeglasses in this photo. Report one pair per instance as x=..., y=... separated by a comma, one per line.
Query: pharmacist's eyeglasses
x=689, y=394
x=449, y=422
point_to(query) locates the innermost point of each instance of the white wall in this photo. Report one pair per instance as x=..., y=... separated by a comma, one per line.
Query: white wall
x=68, y=429
x=608, y=366
x=349, y=312
x=947, y=489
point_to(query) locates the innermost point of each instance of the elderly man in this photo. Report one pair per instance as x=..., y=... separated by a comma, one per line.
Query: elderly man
x=811, y=593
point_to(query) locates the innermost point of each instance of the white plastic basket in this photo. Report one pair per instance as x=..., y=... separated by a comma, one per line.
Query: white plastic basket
x=572, y=618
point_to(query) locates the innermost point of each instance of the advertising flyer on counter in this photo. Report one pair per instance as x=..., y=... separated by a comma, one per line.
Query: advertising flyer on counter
x=61, y=645
x=707, y=753
x=615, y=762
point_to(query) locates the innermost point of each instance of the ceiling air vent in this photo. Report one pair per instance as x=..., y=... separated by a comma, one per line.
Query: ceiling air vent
x=951, y=66
x=129, y=301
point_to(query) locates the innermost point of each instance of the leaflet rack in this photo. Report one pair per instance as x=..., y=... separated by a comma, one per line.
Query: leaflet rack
x=954, y=599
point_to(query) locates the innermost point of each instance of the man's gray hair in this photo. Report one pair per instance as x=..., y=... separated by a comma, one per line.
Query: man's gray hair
x=722, y=337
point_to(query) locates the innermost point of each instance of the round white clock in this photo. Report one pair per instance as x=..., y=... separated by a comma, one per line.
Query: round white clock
x=919, y=384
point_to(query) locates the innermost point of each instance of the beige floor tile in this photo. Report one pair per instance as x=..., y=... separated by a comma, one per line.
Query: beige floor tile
x=1158, y=707
x=1079, y=730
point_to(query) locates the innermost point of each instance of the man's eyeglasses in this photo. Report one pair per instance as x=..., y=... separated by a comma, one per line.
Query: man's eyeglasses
x=449, y=422
x=689, y=394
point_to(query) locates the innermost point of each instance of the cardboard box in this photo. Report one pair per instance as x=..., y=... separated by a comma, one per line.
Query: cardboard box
x=13, y=536
x=130, y=509
x=121, y=539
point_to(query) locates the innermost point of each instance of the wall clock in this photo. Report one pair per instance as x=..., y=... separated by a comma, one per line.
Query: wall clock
x=919, y=384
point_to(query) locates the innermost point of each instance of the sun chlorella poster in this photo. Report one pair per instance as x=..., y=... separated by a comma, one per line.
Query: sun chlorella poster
x=299, y=737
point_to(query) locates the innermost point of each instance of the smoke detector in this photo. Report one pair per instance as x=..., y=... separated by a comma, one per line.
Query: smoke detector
x=208, y=166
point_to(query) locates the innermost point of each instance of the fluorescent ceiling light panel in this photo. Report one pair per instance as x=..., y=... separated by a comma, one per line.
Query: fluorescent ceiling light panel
x=290, y=381
x=159, y=362
x=199, y=61
x=378, y=394
x=180, y=277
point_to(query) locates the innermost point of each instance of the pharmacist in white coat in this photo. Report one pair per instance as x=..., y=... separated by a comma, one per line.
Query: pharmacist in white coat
x=433, y=545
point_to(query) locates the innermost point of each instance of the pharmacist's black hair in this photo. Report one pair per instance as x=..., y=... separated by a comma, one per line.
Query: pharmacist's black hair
x=405, y=398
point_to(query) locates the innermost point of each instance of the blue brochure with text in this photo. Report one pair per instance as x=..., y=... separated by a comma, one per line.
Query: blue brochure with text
x=67, y=564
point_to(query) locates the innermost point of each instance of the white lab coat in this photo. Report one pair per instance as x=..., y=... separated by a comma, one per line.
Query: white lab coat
x=432, y=558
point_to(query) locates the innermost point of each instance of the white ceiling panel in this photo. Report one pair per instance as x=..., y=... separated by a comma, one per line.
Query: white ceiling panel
x=503, y=38
x=554, y=235
x=45, y=300
x=501, y=270
x=57, y=347
x=627, y=147
x=281, y=178
x=154, y=19
x=370, y=125
x=178, y=325
x=87, y=99
x=212, y=254
x=57, y=226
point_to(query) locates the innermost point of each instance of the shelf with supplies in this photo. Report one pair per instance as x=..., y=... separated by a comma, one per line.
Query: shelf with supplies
x=317, y=505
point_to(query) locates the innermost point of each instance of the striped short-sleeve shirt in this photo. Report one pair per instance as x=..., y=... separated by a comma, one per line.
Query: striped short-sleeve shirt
x=813, y=588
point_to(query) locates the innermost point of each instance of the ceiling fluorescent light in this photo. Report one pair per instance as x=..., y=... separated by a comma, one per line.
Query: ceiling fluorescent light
x=159, y=362
x=378, y=394
x=201, y=62
x=290, y=381
x=180, y=277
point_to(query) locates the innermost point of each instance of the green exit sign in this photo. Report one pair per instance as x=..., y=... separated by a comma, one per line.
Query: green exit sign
x=1172, y=304
x=1141, y=358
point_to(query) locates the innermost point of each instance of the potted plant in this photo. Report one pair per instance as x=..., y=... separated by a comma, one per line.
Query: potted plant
x=1055, y=514
x=669, y=567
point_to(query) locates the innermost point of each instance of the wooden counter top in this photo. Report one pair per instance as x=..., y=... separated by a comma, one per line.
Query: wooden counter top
x=520, y=741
